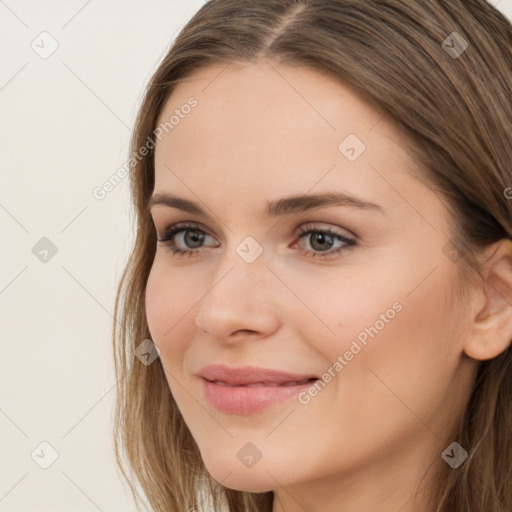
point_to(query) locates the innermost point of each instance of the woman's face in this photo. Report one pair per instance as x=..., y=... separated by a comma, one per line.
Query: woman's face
x=365, y=308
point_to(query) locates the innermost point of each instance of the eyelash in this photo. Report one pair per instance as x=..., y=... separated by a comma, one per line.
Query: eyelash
x=171, y=231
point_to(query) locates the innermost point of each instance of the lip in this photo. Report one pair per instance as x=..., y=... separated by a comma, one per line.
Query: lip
x=249, y=389
x=250, y=375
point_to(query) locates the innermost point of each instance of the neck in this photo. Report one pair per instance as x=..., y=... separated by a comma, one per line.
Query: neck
x=400, y=481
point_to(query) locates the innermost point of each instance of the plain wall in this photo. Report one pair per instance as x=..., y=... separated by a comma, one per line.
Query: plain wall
x=65, y=124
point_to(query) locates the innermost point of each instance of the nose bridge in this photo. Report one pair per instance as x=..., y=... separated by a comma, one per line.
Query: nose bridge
x=241, y=273
x=243, y=259
x=240, y=296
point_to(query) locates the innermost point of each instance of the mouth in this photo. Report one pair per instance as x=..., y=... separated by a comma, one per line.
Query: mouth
x=245, y=398
x=253, y=376
x=265, y=384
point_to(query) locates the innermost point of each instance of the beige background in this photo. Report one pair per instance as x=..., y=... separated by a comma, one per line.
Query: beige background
x=65, y=123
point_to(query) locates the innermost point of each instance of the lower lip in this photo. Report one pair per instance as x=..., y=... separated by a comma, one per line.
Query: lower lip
x=247, y=400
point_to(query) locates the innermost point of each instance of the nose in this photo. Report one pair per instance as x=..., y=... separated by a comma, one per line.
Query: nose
x=240, y=301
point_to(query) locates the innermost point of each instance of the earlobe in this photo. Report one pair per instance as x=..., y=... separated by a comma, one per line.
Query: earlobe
x=491, y=331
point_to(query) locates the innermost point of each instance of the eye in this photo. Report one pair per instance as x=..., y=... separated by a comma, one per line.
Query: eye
x=184, y=239
x=192, y=235
x=323, y=240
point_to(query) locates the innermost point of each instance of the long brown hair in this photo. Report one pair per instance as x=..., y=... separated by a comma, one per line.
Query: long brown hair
x=454, y=108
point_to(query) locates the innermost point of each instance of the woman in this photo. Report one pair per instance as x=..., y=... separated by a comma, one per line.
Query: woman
x=316, y=314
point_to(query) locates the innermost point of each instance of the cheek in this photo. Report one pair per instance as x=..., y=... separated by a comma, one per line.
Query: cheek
x=167, y=301
x=405, y=370
x=339, y=305
x=155, y=300
x=392, y=334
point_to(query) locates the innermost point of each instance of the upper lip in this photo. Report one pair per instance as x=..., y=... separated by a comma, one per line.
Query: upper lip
x=250, y=375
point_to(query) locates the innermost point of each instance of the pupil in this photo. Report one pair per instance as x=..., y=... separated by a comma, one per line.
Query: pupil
x=194, y=236
x=322, y=237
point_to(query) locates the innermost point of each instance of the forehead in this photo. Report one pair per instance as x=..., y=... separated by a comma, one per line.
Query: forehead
x=269, y=129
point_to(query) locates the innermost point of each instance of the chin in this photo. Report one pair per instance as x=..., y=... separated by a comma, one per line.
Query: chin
x=248, y=483
x=239, y=478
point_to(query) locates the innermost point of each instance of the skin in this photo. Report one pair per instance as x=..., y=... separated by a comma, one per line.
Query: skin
x=366, y=441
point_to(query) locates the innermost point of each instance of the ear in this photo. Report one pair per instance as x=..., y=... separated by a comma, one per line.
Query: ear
x=491, y=331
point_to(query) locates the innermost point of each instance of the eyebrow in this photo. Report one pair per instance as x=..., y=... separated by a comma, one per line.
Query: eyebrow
x=277, y=208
